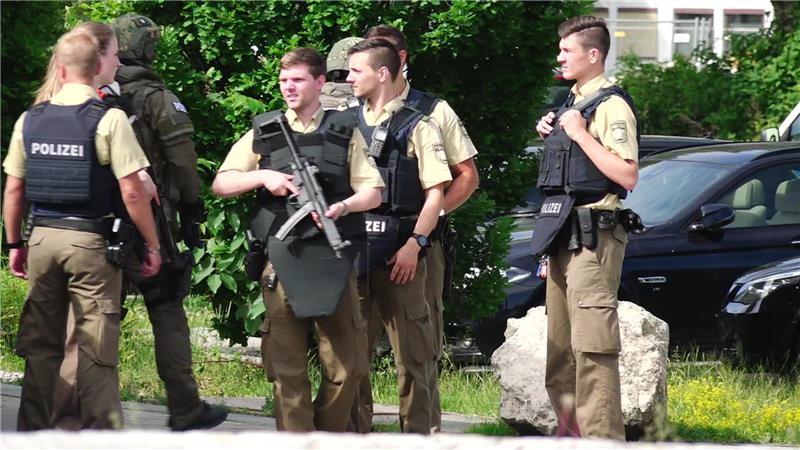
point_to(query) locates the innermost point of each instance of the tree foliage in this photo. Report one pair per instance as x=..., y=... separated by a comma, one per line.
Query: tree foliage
x=491, y=60
x=753, y=86
x=30, y=30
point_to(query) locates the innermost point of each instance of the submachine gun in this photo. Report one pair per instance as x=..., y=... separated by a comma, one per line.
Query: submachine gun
x=310, y=197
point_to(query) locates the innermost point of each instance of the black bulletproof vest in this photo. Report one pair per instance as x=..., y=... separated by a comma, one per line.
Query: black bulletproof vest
x=327, y=148
x=403, y=195
x=565, y=168
x=63, y=176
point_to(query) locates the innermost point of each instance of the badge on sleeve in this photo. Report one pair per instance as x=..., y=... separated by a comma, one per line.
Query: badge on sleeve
x=179, y=107
x=441, y=155
x=619, y=131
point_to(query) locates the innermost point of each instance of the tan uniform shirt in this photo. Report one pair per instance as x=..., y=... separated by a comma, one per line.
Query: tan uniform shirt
x=363, y=172
x=614, y=126
x=113, y=133
x=457, y=144
x=424, y=144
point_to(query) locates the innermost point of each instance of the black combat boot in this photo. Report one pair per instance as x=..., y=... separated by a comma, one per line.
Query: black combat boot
x=211, y=416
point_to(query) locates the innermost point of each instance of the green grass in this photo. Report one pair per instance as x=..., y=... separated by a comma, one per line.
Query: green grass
x=708, y=401
x=498, y=428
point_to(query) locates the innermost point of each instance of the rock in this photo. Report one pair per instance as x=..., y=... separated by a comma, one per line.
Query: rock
x=520, y=366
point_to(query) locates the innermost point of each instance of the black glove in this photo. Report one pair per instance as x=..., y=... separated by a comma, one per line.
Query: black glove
x=191, y=216
x=190, y=232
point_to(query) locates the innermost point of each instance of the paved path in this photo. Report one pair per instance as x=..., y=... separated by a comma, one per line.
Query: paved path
x=145, y=416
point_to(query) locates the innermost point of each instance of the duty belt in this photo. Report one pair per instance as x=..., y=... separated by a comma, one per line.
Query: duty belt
x=97, y=226
x=584, y=222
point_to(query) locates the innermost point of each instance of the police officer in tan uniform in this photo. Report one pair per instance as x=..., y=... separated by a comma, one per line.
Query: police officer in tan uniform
x=460, y=152
x=71, y=157
x=581, y=229
x=342, y=339
x=396, y=282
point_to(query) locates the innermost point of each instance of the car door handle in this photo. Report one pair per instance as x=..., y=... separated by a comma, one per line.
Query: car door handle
x=796, y=242
x=652, y=280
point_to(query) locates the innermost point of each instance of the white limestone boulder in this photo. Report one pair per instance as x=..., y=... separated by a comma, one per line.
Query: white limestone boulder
x=520, y=365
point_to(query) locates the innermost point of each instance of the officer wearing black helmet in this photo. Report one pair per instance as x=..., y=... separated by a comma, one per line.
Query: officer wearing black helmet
x=164, y=130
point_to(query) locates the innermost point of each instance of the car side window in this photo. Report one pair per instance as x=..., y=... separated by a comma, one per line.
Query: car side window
x=767, y=197
x=794, y=130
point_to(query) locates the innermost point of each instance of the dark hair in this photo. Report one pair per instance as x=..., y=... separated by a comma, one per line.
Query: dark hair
x=591, y=31
x=381, y=53
x=306, y=56
x=390, y=33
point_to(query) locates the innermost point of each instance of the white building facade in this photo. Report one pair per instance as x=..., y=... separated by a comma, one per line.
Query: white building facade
x=657, y=30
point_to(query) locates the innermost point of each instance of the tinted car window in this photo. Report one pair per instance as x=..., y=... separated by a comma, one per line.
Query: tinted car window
x=770, y=196
x=794, y=130
x=666, y=185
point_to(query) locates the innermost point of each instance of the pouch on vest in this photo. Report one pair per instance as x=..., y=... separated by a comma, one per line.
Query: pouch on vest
x=554, y=213
x=383, y=236
x=313, y=278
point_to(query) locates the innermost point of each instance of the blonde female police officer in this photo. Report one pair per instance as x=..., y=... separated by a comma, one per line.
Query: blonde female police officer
x=71, y=158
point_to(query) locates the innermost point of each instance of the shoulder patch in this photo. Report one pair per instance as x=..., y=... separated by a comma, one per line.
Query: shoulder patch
x=619, y=131
x=441, y=155
x=179, y=107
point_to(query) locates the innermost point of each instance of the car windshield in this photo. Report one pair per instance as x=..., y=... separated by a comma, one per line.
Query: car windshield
x=665, y=186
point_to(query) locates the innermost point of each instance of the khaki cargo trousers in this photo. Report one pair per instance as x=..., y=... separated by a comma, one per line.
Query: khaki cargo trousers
x=583, y=341
x=434, y=287
x=404, y=312
x=173, y=359
x=69, y=269
x=284, y=350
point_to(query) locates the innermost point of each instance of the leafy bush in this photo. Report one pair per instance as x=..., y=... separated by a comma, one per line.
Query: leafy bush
x=30, y=29
x=753, y=86
x=491, y=60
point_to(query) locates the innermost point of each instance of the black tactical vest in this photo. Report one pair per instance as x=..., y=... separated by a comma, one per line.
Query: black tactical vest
x=327, y=148
x=134, y=95
x=403, y=194
x=565, y=168
x=63, y=175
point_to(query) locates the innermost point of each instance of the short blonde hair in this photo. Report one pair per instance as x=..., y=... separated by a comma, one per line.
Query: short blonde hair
x=79, y=52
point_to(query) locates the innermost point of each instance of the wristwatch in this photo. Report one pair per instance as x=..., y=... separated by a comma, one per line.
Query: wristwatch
x=422, y=240
x=12, y=245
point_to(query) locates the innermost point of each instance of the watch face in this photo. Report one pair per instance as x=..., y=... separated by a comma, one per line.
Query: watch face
x=422, y=240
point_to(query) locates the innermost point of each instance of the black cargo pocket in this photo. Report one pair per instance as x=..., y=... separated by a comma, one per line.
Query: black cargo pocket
x=595, y=324
x=107, y=330
x=419, y=335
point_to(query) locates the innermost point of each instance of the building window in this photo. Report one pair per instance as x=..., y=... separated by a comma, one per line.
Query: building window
x=691, y=31
x=741, y=24
x=636, y=31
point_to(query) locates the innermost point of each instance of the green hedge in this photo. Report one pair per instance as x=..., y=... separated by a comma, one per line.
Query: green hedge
x=753, y=86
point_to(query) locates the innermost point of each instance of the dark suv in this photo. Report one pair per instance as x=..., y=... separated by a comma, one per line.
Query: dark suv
x=712, y=213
